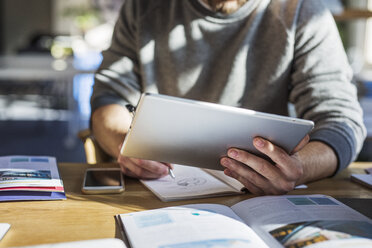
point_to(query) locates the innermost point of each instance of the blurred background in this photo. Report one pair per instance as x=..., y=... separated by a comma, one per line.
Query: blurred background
x=49, y=50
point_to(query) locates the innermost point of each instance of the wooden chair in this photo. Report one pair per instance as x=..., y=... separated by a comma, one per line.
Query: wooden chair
x=93, y=152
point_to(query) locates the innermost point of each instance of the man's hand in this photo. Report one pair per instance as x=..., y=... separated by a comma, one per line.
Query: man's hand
x=260, y=176
x=110, y=124
x=144, y=169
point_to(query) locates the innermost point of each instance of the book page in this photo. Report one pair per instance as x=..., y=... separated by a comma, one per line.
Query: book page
x=201, y=225
x=190, y=182
x=304, y=219
x=235, y=183
x=226, y=179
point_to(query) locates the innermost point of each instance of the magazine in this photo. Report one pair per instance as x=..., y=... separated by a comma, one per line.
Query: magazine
x=30, y=178
x=314, y=221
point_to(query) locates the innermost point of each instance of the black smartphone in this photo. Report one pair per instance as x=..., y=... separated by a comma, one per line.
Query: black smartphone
x=103, y=181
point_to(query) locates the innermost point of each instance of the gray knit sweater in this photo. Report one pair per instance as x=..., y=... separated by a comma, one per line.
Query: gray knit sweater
x=262, y=57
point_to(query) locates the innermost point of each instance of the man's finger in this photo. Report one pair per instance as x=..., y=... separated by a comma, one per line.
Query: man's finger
x=245, y=171
x=138, y=168
x=260, y=165
x=152, y=166
x=288, y=168
x=275, y=153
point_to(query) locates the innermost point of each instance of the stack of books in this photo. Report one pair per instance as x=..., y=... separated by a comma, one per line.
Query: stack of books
x=30, y=178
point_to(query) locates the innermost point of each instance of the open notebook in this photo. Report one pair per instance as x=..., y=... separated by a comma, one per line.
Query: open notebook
x=193, y=182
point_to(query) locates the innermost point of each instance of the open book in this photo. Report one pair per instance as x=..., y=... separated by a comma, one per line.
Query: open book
x=193, y=182
x=270, y=221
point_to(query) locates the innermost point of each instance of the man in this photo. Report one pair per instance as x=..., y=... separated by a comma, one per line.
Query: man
x=255, y=54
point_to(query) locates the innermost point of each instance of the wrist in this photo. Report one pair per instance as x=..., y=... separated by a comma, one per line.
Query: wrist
x=318, y=161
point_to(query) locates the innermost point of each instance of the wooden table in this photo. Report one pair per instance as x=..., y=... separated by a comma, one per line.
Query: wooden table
x=83, y=217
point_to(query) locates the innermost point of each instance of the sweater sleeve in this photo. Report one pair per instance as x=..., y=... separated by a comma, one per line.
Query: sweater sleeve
x=321, y=87
x=117, y=81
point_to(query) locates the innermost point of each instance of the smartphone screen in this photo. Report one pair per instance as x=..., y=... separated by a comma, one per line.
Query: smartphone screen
x=103, y=181
x=102, y=178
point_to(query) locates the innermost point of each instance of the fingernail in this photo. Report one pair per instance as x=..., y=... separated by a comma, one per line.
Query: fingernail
x=259, y=142
x=233, y=153
x=224, y=162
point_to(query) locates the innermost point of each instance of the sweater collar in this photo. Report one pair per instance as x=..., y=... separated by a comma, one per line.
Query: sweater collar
x=241, y=13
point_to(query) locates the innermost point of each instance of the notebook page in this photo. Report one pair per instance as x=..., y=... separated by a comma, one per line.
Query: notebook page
x=190, y=182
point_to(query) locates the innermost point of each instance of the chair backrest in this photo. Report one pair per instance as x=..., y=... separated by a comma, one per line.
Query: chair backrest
x=93, y=152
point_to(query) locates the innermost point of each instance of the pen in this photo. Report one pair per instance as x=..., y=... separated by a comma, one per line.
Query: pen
x=171, y=173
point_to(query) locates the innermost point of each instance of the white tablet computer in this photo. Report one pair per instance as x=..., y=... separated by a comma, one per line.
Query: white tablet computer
x=188, y=132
